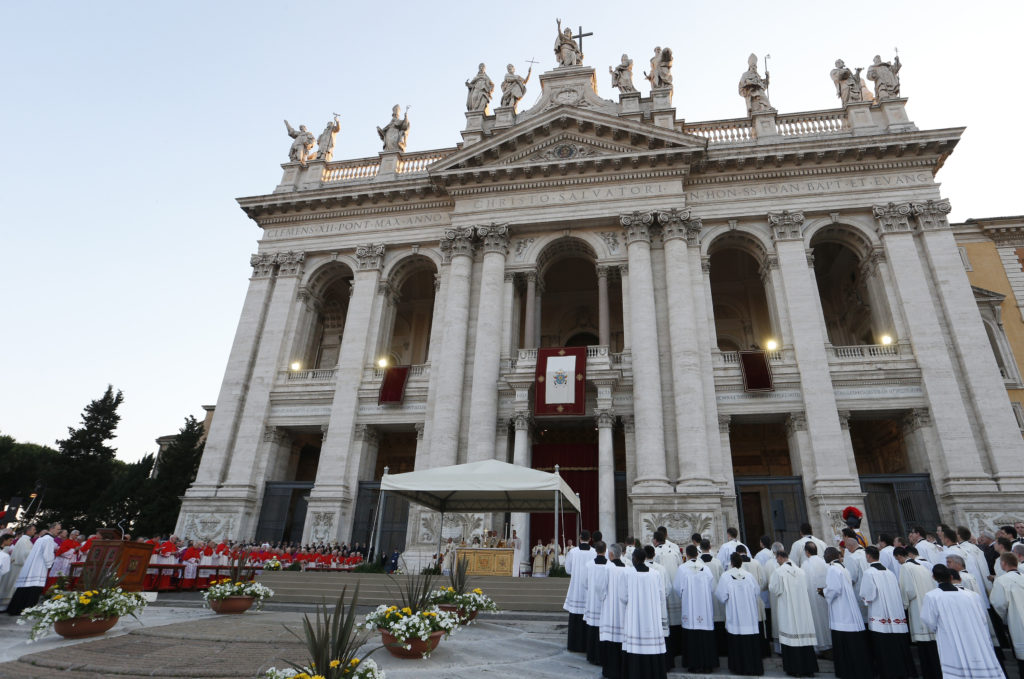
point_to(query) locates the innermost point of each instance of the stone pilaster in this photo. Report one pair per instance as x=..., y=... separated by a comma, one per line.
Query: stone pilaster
x=435, y=358
x=530, y=322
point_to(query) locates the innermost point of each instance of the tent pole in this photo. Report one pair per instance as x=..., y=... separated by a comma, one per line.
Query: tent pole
x=440, y=538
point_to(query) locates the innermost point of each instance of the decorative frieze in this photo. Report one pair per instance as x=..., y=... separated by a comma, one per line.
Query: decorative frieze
x=786, y=225
x=370, y=257
x=207, y=526
x=494, y=238
x=637, y=226
x=521, y=245
x=892, y=218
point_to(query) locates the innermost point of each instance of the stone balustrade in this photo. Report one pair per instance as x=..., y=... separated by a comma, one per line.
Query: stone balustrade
x=733, y=357
x=812, y=123
x=860, y=352
x=418, y=371
x=722, y=131
x=316, y=375
x=348, y=170
x=418, y=162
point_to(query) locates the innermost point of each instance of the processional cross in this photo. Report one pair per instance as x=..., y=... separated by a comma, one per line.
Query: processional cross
x=581, y=36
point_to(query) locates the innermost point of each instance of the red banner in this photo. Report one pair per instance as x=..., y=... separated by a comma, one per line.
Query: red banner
x=392, y=387
x=560, y=386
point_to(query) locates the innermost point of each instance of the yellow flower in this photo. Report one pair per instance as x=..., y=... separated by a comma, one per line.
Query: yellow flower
x=58, y=596
x=407, y=610
x=301, y=675
x=84, y=600
x=478, y=591
x=355, y=661
x=335, y=663
x=317, y=676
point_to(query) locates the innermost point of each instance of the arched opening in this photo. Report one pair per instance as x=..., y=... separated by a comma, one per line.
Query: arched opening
x=411, y=312
x=327, y=297
x=742, y=317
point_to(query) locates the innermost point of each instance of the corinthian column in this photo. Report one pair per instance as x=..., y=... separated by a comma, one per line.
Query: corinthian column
x=605, y=419
x=457, y=246
x=647, y=405
x=603, y=331
x=483, y=403
x=677, y=231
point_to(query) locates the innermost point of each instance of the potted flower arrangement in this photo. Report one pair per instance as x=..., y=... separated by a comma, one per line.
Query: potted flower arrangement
x=83, y=613
x=238, y=592
x=272, y=565
x=415, y=628
x=459, y=599
x=332, y=640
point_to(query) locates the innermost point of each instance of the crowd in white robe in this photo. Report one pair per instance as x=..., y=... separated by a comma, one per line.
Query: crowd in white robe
x=934, y=605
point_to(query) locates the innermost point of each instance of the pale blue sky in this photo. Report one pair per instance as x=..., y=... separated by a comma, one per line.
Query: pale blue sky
x=129, y=128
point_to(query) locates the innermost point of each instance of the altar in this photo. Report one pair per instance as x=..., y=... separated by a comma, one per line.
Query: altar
x=488, y=561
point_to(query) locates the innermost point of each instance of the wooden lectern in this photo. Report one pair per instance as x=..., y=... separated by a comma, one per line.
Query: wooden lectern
x=128, y=559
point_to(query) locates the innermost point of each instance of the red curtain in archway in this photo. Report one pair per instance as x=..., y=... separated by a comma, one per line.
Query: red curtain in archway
x=578, y=466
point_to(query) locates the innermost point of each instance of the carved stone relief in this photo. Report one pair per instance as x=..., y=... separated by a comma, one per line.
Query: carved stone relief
x=209, y=526
x=681, y=525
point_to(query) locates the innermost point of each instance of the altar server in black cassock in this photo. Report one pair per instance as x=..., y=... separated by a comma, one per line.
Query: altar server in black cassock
x=792, y=612
x=887, y=620
x=849, y=640
x=575, y=565
x=646, y=624
x=613, y=616
x=739, y=591
x=595, y=589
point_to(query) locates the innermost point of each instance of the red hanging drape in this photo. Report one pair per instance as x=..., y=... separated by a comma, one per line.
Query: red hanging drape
x=578, y=466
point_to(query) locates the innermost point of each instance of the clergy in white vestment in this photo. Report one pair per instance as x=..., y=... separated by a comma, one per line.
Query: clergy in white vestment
x=6, y=540
x=717, y=568
x=671, y=603
x=926, y=551
x=1008, y=602
x=19, y=554
x=961, y=632
x=887, y=620
x=575, y=565
x=958, y=571
x=816, y=569
x=765, y=554
x=886, y=547
x=796, y=550
x=595, y=589
x=646, y=621
x=726, y=550
x=613, y=616
x=846, y=624
x=739, y=592
x=32, y=578
x=669, y=559
x=915, y=582
x=770, y=600
x=856, y=564
x=976, y=561
x=694, y=585
x=669, y=544
x=792, y=613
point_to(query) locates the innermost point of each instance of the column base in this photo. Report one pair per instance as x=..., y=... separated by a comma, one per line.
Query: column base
x=692, y=486
x=651, y=486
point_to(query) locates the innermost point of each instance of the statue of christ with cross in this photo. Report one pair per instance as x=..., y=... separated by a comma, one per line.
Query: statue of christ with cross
x=567, y=51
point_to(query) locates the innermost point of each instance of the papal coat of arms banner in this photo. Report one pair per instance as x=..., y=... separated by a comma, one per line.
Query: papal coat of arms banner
x=561, y=380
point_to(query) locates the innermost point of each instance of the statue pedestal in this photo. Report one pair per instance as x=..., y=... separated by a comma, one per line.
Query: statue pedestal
x=388, y=165
x=629, y=104
x=765, y=127
x=662, y=113
x=474, y=131
x=895, y=112
x=860, y=118
x=504, y=116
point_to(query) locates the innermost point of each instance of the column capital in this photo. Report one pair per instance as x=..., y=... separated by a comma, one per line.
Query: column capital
x=628, y=424
x=494, y=238
x=786, y=225
x=677, y=223
x=262, y=265
x=457, y=241
x=370, y=256
x=931, y=215
x=522, y=421
x=388, y=291
x=323, y=432
x=290, y=263
x=844, y=419
x=796, y=422
x=916, y=418
x=275, y=435
x=418, y=426
x=892, y=218
x=724, y=423
x=365, y=433
x=637, y=226
x=603, y=270
x=604, y=418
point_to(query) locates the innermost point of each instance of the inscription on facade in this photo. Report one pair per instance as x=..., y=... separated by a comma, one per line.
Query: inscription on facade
x=355, y=226
x=569, y=196
x=807, y=187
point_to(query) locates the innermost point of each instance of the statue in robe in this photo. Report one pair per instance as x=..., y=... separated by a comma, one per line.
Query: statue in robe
x=396, y=132
x=325, y=142
x=513, y=87
x=661, y=68
x=301, y=149
x=622, y=75
x=886, y=77
x=754, y=89
x=847, y=83
x=567, y=52
x=480, y=89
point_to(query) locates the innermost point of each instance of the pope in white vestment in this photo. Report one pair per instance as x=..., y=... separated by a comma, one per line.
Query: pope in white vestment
x=739, y=592
x=791, y=611
x=961, y=633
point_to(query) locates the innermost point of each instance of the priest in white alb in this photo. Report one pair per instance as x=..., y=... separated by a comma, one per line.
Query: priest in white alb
x=694, y=583
x=846, y=624
x=575, y=603
x=668, y=557
x=739, y=592
x=961, y=630
x=595, y=589
x=32, y=578
x=726, y=550
x=915, y=582
x=646, y=621
x=816, y=569
x=19, y=554
x=613, y=616
x=887, y=621
x=797, y=554
x=1008, y=602
x=792, y=614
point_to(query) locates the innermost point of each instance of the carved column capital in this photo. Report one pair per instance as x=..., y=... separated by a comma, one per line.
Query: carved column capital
x=844, y=419
x=419, y=426
x=724, y=424
x=494, y=238
x=366, y=434
x=892, y=218
x=370, y=256
x=603, y=271
x=388, y=292
x=628, y=424
x=786, y=225
x=323, y=432
x=796, y=422
x=275, y=435
x=916, y=418
x=457, y=241
x=521, y=420
x=931, y=215
x=262, y=265
x=637, y=226
x=677, y=223
x=290, y=263
x=604, y=419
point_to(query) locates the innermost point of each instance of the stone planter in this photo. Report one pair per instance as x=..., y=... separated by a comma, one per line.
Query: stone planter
x=76, y=628
x=232, y=604
x=464, y=618
x=418, y=646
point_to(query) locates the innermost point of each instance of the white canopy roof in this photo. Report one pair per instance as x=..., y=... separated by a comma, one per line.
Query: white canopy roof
x=488, y=486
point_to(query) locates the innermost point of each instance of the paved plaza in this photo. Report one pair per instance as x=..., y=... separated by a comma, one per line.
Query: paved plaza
x=184, y=641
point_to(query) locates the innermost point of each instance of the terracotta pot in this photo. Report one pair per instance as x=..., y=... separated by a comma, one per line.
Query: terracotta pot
x=419, y=647
x=76, y=628
x=232, y=604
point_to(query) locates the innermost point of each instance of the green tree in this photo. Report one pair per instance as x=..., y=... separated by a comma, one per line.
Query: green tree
x=125, y=497
x=175, y=470
x=21, y=468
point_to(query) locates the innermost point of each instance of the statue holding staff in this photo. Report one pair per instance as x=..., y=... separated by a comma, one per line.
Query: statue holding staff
x=513, y=87
x=325, y=142
x=396, y=132
x=886, y=77
x=481, y=87
x=847, y=83
x=754, y=89
x=622, y=75
x=567, y=52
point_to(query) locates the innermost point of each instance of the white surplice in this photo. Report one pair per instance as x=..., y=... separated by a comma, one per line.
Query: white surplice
x=716, y=571
x=37, y=565
x=575, y=565
x=671, y=596
x=19, y=554
x=668, y=558
x=915, y=582
x=817, y=570
x=726, y=550
x=977, y=563
x=595, y=589
x=930, y=552
x=880, y=591
x=796, y=552
x=694, y=584
x=856, y=562
x=961, y=633
x=768, y=597
x=887, y=559
x=738, y=591
x=790, y=607
x=613, y=613
x=646, y=623
x=1008, y=602
x=843, y=605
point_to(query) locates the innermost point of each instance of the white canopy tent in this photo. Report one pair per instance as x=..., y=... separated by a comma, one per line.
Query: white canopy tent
x=487, y=486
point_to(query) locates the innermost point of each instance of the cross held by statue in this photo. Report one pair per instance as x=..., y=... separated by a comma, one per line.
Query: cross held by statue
x=581, y=36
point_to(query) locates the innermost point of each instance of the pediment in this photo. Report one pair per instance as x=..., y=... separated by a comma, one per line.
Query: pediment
x=569, y=134
x=983, y=296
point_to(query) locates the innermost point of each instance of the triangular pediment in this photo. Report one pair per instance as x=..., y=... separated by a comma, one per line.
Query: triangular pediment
x=982, y=296
x=568, y=134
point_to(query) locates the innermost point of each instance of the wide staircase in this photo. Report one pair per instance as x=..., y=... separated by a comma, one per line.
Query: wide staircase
x=511, y=594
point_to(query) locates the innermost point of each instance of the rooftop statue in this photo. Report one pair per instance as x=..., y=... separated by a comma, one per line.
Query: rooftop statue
x=567, y=52
x=622, y=75
x=301, y=149
x=847, y=83
x=754, y=89
x=480, y=89
x=661, y=68
x=886, y=77
x=513, y=87
x=325, y=142
x=395, y=133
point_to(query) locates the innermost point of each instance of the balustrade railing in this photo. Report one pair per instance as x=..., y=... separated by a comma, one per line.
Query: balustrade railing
x=418, y=162
x=418, y=370
x=813, y=122
x=365, y=168
x=733, y=357
x=865, y=351
x=316, y=375
x=722, y=131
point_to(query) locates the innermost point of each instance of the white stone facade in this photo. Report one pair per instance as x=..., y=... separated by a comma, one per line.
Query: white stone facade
x=650, y=201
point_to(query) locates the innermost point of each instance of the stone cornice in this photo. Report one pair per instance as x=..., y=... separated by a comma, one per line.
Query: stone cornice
x=291, y=219
x=704, y=179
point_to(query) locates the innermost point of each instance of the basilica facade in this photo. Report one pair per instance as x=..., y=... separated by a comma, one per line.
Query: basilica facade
x=679, y=254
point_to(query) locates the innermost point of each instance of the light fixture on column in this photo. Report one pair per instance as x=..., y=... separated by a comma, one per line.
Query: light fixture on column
x=296, y=366
x=382, y=363
x=886, y=340
x=772, y=345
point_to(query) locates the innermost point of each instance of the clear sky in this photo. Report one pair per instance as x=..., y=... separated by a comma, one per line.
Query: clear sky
x=129, y=128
